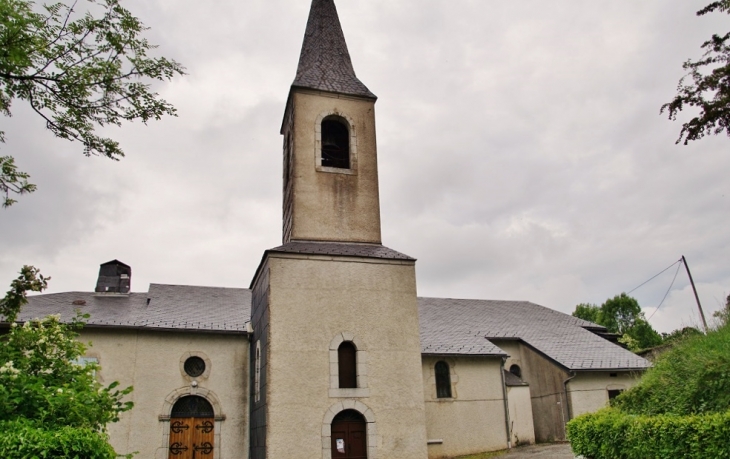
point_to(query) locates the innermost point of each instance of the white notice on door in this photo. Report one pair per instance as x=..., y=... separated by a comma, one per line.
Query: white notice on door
x=340, y=445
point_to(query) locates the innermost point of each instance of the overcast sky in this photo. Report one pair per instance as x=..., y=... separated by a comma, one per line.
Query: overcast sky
x=521, y=151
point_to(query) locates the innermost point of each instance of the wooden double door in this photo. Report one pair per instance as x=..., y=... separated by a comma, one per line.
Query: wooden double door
x=349, y=436
x=192, y=438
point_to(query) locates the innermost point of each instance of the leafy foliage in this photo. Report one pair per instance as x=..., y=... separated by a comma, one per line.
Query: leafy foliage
x=587, y=311
x=723, y=315
x=709, y=90
x=22, y=439
x=621, y=315
x=12, y=180
x=611, y=434
x=77, y=72
x=30, y=279
x=51, y=404
x=680, y=408
x=692, y=377
x=680, y=334
x=42, y=379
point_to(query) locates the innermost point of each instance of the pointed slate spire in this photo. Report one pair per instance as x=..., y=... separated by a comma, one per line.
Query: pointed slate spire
x=324, y=63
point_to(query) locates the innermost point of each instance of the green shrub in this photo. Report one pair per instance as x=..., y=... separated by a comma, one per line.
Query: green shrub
x=691, y=378
x=23, y=440
x=611, y=434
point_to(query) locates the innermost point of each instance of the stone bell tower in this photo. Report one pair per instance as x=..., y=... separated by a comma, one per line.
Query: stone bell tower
x=330, y=160
x=335, y=352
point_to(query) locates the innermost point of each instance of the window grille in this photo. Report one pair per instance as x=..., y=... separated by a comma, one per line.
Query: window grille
x=192, y=406
x=194, y=366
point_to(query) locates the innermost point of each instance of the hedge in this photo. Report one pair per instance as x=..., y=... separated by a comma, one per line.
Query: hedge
x=611, y=434
x=23, y=440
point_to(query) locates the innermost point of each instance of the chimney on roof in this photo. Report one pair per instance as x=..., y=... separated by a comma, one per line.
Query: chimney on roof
x=114, y=277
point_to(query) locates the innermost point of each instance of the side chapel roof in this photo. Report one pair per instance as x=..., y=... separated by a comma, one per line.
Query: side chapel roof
x=457, y=326
x=324, y=62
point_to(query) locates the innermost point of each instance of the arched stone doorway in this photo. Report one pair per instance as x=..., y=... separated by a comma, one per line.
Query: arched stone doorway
x=349, y=436
x=192, y=425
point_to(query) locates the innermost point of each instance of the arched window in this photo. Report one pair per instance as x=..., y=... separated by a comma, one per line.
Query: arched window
x=443, y=380
x=335, y=143
x=516, y=370
x=347, y=365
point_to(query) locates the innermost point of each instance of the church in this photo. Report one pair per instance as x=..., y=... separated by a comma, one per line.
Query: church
x=330, y=353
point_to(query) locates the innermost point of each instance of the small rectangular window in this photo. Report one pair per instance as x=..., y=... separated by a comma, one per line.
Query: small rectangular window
x=614, y=393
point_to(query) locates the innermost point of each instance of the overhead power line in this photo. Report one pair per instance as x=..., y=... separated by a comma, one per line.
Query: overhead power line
x=666, y=294
x=654, y=277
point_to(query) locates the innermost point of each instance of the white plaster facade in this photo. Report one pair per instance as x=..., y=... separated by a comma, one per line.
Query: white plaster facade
x=150, y=362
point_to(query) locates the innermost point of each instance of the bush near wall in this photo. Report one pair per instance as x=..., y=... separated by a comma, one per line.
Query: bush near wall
x=611, y=434
x=24, y=440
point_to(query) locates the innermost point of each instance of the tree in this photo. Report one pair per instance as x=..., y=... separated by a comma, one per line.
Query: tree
x=77, y=72
x=587, y=311
x=30, y=280
x=51, y=404
x=723, y=315
x=622, y=315
x=619, y=314
x=709, y=90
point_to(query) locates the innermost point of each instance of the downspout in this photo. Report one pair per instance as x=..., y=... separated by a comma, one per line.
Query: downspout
x=568, y=402
x=506, y=404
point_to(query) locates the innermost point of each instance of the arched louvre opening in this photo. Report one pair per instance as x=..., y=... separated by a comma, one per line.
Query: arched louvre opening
x=349, y=436
x=347, y=365
x=516, y=370
x=335, y=143
x=443, y=380
x=192, y=425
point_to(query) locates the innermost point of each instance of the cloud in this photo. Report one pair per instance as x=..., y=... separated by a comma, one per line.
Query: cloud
x=521, y=153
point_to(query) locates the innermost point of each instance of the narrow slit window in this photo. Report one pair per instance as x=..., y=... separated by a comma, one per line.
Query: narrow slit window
x=335, y=144
x=443, y=380
x=347, y=365
x=257, y=373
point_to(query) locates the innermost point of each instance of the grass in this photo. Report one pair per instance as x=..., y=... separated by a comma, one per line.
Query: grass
x=691, y=378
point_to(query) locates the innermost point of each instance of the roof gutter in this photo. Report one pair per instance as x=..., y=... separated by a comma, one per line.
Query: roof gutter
x=506, y=404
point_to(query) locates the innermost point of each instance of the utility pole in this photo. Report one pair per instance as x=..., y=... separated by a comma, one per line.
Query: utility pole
x=702, y=314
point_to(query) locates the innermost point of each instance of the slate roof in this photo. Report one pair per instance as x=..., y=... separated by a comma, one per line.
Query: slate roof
x=513, y=380
x=342, y=249
x=447, y=324
x=324, y=62
x=170, y=307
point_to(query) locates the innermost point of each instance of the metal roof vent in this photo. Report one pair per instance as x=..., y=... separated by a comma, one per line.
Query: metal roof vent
x=114, y=278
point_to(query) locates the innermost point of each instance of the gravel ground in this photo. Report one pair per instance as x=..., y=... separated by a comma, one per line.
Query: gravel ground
x=551, y=451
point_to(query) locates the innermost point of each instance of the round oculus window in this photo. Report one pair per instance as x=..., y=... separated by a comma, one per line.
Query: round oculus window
x=194, y=366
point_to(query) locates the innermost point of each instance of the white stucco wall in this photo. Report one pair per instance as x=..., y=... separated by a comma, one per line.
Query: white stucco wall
x=312, y=300
x=520, y=415
x=588, y=391
x=151, y=362
x=473, y=420
x=335, y=205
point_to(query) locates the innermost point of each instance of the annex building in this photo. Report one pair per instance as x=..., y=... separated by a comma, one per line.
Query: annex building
x=329, y=352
